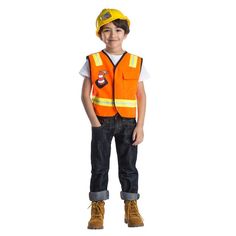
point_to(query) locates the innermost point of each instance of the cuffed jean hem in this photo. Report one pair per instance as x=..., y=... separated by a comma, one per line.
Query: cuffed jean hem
x=99, y=196
x=129, y=196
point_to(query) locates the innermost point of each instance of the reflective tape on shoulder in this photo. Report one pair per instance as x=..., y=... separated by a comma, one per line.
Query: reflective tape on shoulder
x=133, y=61
x=97, y=59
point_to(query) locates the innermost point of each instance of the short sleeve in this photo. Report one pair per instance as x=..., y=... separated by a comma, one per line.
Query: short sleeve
x=85, y=70
x=144, y=75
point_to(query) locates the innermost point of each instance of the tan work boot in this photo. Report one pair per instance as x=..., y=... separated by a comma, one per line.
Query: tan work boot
x=132, y=216
x=97, y=215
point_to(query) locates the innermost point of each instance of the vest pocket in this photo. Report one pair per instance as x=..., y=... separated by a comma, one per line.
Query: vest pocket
x=130, y=76
x=129, y=83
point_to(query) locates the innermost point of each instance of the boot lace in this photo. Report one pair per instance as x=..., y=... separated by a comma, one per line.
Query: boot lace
x=132, y=209
x=96, y=209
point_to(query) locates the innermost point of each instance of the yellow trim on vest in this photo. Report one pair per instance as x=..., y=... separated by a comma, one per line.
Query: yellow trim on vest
x=107, y=102
x=133, y=61
x=125, y=103
x=97, y=59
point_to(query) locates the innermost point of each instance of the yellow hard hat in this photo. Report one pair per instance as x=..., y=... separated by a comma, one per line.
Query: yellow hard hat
x=108, y=15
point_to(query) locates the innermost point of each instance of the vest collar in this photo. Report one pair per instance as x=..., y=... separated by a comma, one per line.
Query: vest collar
x=104, y=52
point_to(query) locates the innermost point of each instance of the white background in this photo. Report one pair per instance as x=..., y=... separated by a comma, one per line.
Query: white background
x=187, y=161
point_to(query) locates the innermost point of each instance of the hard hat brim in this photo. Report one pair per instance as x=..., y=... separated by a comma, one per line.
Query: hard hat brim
x=113, y=14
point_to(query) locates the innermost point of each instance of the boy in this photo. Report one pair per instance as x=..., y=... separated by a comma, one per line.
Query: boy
x=115, y=79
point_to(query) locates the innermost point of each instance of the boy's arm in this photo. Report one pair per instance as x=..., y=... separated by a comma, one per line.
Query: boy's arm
x=141, y=100
x=86, y=100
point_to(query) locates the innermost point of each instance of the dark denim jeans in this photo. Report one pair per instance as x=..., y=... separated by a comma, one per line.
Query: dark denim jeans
x=122, y=129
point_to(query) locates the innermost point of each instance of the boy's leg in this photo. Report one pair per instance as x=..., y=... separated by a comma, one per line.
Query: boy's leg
x=100, y=156
x=100, y=159
x=128, y=173
x=127, y=157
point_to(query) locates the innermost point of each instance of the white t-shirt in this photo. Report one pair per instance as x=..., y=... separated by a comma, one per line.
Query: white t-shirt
x=85, y=70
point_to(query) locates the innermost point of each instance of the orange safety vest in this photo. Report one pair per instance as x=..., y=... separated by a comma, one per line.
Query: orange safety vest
x=114, y=87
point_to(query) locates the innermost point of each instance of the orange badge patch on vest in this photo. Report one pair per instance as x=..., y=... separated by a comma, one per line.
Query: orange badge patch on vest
x=101, y=81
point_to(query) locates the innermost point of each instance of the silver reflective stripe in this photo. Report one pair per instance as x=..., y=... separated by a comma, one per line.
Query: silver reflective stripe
x=133, y=61
x=118, y=102
x=125, y=103
x=97, y=59
x=103, y=101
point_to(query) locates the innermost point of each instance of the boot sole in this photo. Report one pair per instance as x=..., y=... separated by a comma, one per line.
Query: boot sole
x=95, y=227
x=130, y=225
x=140, y=225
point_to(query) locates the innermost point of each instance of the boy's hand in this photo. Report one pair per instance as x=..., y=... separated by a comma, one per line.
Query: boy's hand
x=96, y=124
x=138, y=135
